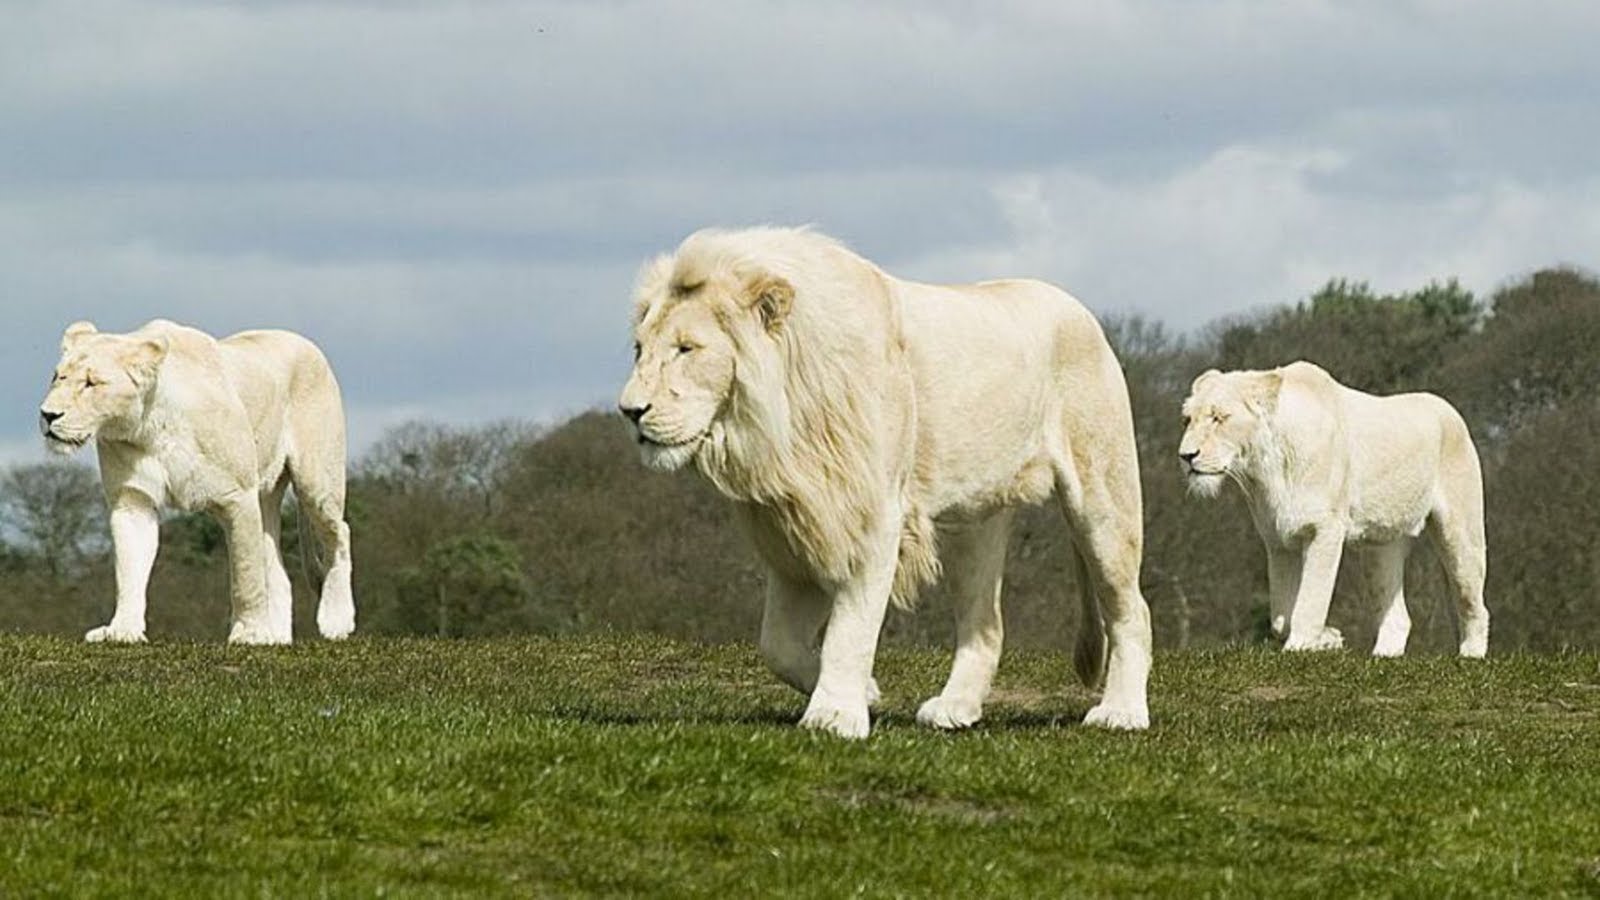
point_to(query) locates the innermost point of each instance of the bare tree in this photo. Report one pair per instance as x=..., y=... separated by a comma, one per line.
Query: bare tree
x=55, y=512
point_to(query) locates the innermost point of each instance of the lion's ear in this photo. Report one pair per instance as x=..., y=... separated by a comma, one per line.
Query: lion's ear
x=771, y=297
x=76, y=332
x=144, y=358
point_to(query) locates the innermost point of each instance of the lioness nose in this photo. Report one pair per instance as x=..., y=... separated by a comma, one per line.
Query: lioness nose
x=634, y=413
x=48, y=417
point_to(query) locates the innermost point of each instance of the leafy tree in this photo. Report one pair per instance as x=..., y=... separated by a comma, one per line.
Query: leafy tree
x=465, y=586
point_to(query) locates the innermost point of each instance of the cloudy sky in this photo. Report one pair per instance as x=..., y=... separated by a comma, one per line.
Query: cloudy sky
x=453, y=197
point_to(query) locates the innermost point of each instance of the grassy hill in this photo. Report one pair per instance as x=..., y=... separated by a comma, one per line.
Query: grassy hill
x=640, y=766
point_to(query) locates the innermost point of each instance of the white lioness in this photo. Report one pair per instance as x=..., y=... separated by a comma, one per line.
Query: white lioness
x=865, y=426
x=1322, y=466
x=222, y=426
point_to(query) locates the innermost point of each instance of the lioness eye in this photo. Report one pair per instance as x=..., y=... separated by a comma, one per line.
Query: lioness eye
x=685, y=348
x=637, y=351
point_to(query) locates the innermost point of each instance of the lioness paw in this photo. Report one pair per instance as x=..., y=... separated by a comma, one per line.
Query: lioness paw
x=336, y=628
x=850, y=724
x=1116, y=718
x=115, y=634
x=1328, y=639
x=244, y=633
x=950, y=714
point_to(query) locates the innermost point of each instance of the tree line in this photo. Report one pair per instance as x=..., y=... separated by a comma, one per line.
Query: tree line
x=515, y=528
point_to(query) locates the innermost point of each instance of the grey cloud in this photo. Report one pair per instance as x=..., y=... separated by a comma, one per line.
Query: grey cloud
x=453, y=197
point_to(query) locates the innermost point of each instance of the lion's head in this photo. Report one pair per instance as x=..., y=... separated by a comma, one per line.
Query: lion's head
x=1224, y=417
x=100, y=385
x=697, y=323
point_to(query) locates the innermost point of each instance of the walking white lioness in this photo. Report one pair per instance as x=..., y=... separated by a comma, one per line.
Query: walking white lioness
x=221, y=426
x=1322, y=465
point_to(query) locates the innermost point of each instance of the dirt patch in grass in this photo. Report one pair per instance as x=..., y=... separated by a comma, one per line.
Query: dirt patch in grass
x=1268, y=693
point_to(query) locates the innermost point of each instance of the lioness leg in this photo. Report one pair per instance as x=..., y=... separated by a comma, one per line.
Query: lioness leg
x=240, y=516
x=1103, y=509
x=975, y=560
x=1308, y=621
x=280, y=593
x=135, y=537
x=843, y=694
x=1283, y=583
x=320, y=491
x=1386, y=574
x=1460, y=544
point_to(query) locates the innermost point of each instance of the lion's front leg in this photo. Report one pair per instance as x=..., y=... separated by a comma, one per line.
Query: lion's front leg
x=1308, y=621
x=135, y=537
x=240, y=516
x=844, y=694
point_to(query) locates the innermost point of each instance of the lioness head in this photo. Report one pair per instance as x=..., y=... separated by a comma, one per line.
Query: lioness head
x=99, y=386
x=697, y=321
x=1223, y=418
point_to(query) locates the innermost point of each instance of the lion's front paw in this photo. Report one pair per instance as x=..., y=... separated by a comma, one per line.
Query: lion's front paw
x=850, y=724
x=1117, y=718
x=950, y=714
x=254, y=634
x=874, y=696
x=1328, y=639
x=115, y=634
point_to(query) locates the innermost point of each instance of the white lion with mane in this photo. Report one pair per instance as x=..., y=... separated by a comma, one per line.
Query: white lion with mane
x=867, y=426
x=1322, y=465
x=221, y=426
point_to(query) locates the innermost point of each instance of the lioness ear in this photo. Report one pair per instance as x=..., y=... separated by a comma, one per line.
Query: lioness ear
x=1263, y=393
x=145, y=357
x=76, y=332
x=772, y=297
x=1203, y=377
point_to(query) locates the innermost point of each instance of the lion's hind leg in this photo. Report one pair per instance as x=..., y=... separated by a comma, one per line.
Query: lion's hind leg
x=975, y=555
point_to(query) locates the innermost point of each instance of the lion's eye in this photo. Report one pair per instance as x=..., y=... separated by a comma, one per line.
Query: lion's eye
x=89, y=382
x=685, y=348
x=638, y=351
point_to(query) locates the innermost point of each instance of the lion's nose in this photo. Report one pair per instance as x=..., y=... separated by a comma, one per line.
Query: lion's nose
x=49, y=418
x=1188, y=456
x=634, y=413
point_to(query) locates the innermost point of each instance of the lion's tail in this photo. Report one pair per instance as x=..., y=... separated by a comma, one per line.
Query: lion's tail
x=1090, y=656
x=313, y=566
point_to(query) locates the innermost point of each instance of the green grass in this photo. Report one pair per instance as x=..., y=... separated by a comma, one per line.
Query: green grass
x=637, y=766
